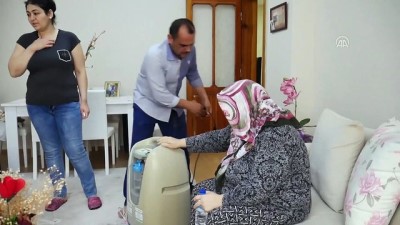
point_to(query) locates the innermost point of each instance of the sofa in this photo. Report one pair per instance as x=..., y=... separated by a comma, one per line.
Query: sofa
x=354, y=172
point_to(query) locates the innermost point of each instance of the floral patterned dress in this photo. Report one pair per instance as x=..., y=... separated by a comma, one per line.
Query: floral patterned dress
x=269, y=185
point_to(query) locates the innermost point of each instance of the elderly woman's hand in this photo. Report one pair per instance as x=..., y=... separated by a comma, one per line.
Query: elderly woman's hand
x=171, y=142
x=209, y=201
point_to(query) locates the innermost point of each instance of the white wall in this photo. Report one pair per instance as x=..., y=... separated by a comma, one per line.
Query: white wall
x=131, y=28
x=361, y=81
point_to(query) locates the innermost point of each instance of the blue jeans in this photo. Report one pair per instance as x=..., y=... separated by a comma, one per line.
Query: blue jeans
x=143, y=128
x=60, y=127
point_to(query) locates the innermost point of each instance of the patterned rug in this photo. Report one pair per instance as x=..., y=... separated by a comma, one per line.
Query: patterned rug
x=75, y=211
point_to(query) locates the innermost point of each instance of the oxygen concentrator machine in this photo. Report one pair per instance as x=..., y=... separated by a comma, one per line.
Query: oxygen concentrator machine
x=163, y=195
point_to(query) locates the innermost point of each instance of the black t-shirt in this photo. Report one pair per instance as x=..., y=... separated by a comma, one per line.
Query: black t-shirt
x=52, y=79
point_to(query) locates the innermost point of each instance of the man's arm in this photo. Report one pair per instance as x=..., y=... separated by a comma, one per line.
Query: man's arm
x=205, y=102
x=195, y=80
x=192, y=106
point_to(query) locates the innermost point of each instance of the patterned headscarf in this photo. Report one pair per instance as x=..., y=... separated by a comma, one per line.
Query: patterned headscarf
x=247, y=107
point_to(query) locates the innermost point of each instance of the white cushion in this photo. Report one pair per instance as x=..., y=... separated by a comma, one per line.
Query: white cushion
x=334, y=150
x=374, y=187
x=321, y=214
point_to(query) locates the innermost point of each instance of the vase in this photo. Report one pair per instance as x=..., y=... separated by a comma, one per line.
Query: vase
x=307, y=138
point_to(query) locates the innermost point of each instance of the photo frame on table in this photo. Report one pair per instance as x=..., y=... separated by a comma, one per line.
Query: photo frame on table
x=112, y=88
x=278, y=17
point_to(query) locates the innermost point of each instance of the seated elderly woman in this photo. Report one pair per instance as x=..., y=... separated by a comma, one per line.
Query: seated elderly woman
x=264, y=178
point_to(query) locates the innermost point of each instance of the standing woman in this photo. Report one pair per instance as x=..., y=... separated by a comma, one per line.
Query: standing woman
x=56, y=94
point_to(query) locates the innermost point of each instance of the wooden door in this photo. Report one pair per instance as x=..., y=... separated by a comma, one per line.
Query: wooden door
x=226, y=51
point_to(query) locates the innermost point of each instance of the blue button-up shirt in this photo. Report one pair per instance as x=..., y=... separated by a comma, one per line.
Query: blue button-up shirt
x=160, y=80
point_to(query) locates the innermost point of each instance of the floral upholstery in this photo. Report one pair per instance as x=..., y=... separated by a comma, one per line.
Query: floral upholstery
x=373, y=192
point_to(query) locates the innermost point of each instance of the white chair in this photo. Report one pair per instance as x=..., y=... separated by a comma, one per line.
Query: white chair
x=22, y=132
x=95, y=126
x=35, y=141
x=114, y=121
x=3, y=136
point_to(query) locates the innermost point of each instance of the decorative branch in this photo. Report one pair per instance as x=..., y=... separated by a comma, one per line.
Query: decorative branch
x=92, y=44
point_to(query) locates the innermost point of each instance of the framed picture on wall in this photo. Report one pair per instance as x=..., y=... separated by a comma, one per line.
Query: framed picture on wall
x=112, y=88
x=278, y=17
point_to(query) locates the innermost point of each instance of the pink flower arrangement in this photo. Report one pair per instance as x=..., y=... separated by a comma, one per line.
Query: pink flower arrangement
x=288, y=88
x=21, y=201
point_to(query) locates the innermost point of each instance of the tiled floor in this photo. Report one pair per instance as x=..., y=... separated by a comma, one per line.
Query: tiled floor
x=205, y=166
x=75, y=211
x=96, y=157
